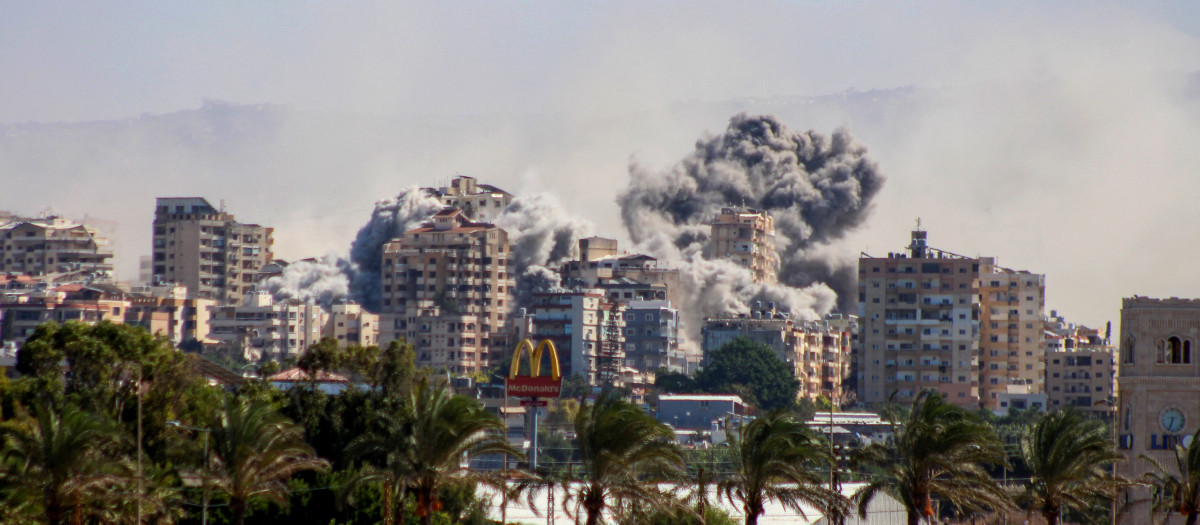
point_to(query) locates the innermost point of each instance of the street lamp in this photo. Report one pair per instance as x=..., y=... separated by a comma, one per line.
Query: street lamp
x=204, y=472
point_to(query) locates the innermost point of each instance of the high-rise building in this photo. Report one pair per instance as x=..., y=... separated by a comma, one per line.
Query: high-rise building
x=1011, y=348
x=438, y=275
x=919, y=322
x=1158, y=388
x=207, y=250
x=52, y=244
x=587, y=329
x=746, y=237
x=480, y=202
x=964, y=326
x=652, y=337
x=825, y=350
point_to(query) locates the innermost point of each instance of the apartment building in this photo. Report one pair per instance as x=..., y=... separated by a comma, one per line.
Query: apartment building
x=764, y=325
x=848, y=324
x=825, y=349
x=919, y=325
x=747, y=237
x=451, y=272
x=652, y=337
x=350, y=324
x=52, y=244
x=167, y=310
x=449, y=341
x=87, y=303
x=259, y=325
x=1011, y=346
x=1158, y=385
x=965, y=326
x=206, y=249
x=480, y=202
x=587, y=329
x=1081, y=367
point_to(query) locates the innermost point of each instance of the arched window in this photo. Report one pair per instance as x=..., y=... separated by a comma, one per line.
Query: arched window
x=1160, y=351
x=1175, y=351
x=1187, y=351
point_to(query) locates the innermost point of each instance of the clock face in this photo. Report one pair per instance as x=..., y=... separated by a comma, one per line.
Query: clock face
x=1171, y=419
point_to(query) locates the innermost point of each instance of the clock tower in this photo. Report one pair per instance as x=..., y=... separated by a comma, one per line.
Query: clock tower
x=1158, y=388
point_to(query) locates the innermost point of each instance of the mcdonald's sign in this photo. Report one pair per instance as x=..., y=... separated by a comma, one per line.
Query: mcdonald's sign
x=534, y=384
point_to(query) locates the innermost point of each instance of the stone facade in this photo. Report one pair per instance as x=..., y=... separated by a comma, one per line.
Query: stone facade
x=1158, y=382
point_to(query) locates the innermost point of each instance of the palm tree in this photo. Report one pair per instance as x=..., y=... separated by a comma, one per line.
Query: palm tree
x=62, y=460
x=937, y=451
x=434, y=443
x=385, y=451
x=1067, y=456
x=774, y=457
x=1178, y=490
x=620, y=446
x=255, y=450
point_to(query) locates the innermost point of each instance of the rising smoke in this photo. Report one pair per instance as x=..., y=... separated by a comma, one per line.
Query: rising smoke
x=816, y=188
x=543, y=237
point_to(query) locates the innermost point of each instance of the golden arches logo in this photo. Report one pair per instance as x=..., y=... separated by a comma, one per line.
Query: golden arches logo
x=535, y=359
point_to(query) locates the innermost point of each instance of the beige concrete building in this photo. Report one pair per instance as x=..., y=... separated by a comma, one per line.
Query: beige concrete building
x=932, y=319
x=1081, y=367
x=20, y=314
x=207, y=250
x=919, y=325
x=441, y=274
x=443, y=341
x=480, y=202
x=53, y=244
x=588, y=330
x=765, y=325
x=167, y=310
x=746, y=237
x=825, y=349
x=1158, y=386
x=1011, y=348
x=261, y=326
x=351, y=325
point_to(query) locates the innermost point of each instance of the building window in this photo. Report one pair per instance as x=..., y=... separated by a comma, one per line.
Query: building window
x=1174, y=351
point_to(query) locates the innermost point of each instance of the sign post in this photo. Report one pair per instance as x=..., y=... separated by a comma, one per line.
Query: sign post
x=534, y=386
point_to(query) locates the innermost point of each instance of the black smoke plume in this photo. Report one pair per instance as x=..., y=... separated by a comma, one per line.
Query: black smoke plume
x=816, y=188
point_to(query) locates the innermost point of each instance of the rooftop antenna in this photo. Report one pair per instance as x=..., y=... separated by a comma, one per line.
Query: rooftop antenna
x=918, y=224
x=223, y=206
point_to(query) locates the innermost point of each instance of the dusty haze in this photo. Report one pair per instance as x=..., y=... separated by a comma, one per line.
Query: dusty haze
x=1059, y=139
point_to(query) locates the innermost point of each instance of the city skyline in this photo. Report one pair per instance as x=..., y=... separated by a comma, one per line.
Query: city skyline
x=1055, y=139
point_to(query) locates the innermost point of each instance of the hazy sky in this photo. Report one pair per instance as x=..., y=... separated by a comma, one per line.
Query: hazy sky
x=1059, y=138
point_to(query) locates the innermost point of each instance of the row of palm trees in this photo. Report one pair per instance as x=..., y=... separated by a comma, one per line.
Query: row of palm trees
x=69, y=459
x=66, y=462
x=939, y=454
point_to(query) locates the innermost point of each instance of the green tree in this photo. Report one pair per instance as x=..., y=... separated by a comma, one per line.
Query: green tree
x=1178, y=489
x=776, y=458
x=443, y=430
x=937, y=451
x=112, y=368
x=1067, y=457
x=64, y=461
x=674, y=382
x=385, y=451
x=751, y=370
x=621, y=450
x=255, y=451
